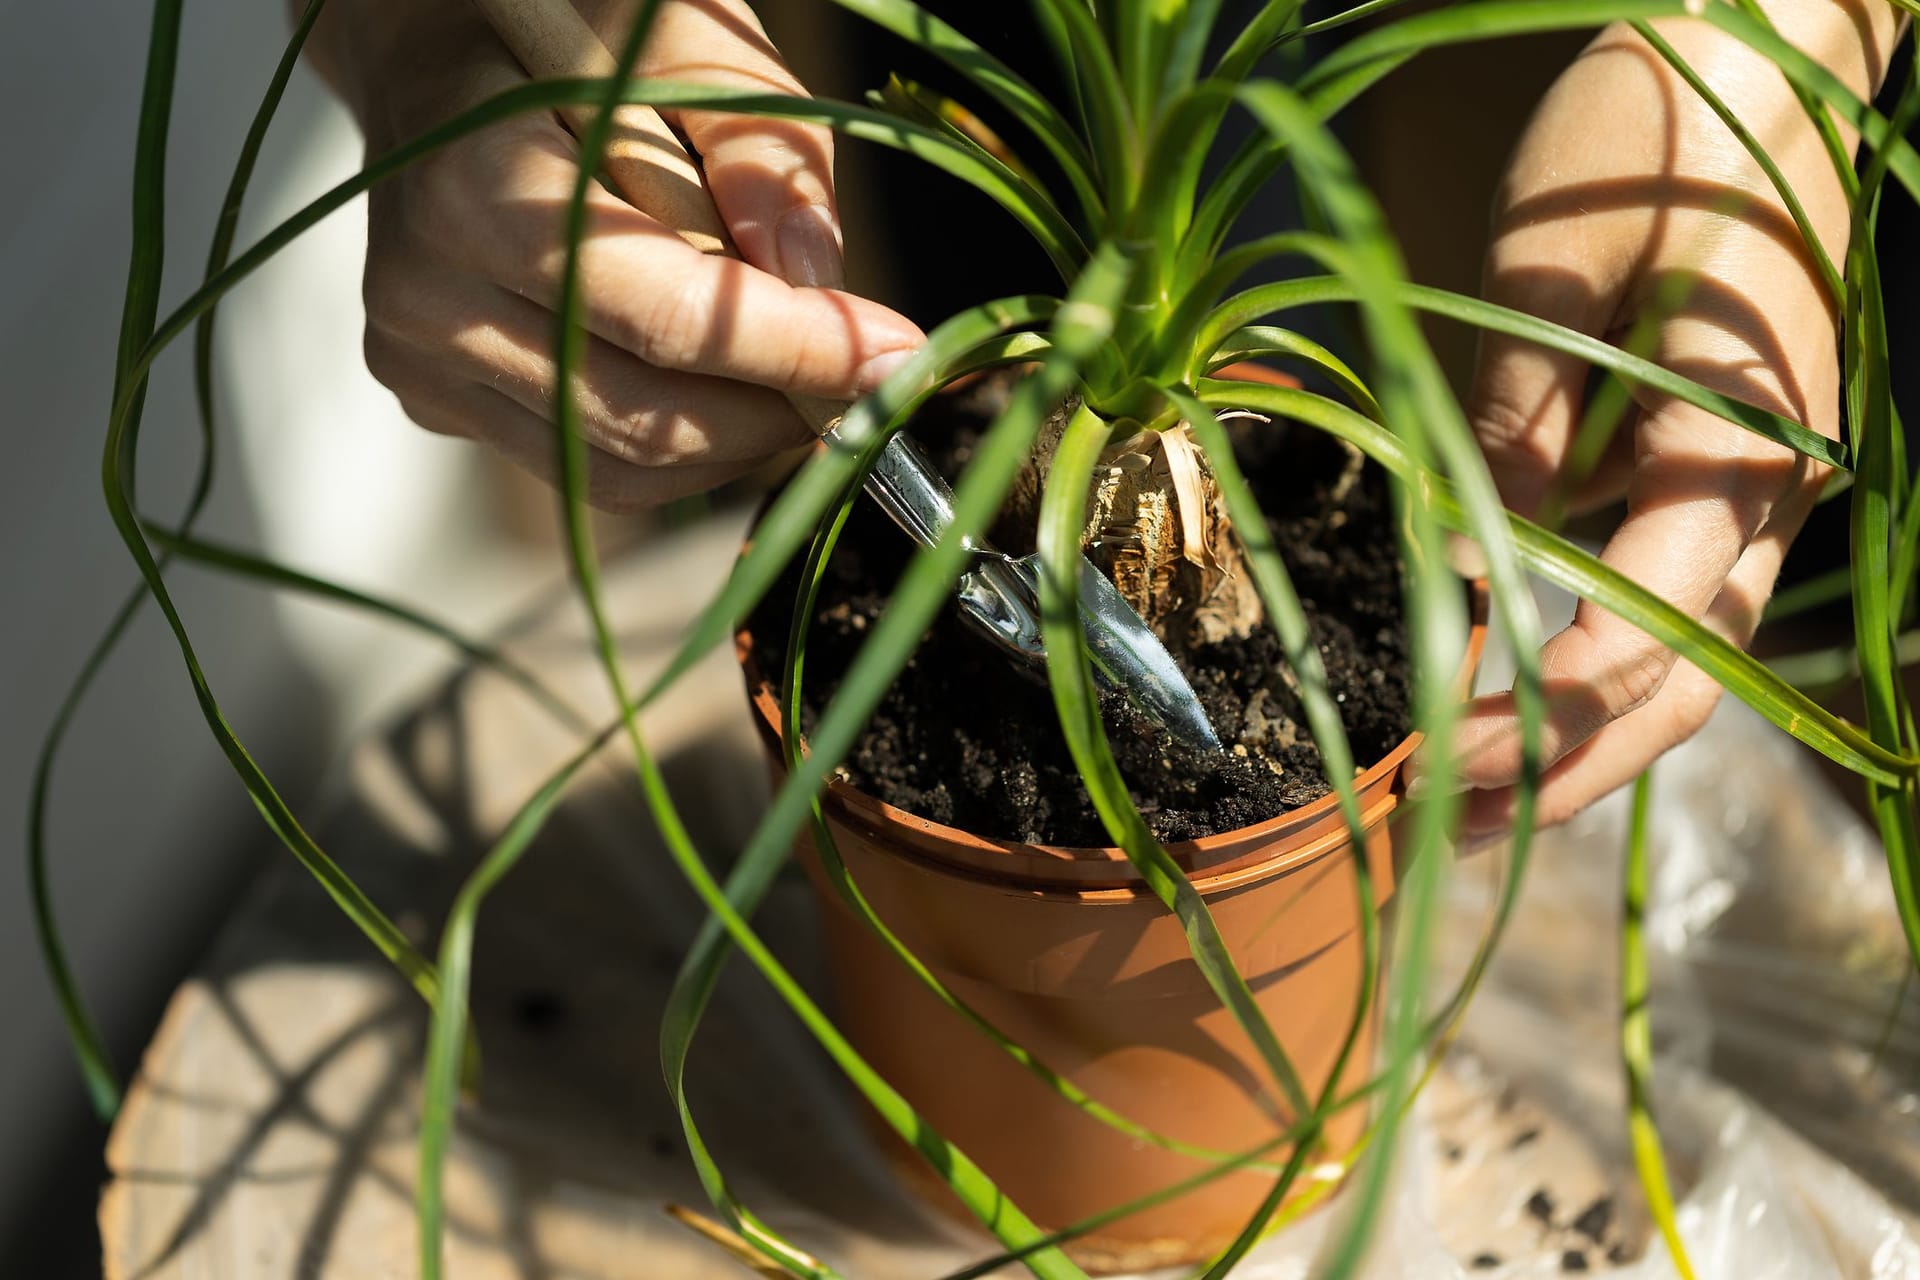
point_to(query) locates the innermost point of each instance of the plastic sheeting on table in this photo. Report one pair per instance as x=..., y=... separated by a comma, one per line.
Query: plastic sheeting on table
x=1777, y=959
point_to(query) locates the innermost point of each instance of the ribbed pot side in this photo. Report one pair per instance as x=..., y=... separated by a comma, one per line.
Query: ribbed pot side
x=1067, y=952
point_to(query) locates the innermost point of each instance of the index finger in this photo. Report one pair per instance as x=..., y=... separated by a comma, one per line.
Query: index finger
x=1701, y=489
x=647, y=290
x=771, y=179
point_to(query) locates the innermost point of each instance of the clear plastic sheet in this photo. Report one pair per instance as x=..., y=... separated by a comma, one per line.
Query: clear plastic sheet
x=1777, y=960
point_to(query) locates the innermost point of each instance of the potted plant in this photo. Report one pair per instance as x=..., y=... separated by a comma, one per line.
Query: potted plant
x=1119, y=404
x=1036, y=1001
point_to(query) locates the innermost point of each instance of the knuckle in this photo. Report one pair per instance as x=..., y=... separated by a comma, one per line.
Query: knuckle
x=1498, y=420
x=436, y=421
x=1631, y=684
x=616, y=501
x=394, y=366
x=1683, y=453
x=670, y=331
x=430, y=413
x=642, y=438
x=1559, y=808
x=471, y=199
x=482, y=165
x=427, y=207
x=798, y=360
x=1675, y=430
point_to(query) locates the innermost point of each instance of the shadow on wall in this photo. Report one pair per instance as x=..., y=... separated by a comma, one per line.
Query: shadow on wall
x=151, y=835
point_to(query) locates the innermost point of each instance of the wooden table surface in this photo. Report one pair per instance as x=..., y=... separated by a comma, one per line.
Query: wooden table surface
x=270, y=1131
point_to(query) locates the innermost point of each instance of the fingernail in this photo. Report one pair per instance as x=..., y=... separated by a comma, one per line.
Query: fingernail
x=809, y=250
x=875, y=371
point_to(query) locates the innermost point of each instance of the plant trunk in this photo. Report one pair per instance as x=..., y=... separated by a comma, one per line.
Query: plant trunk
x=1157, y=526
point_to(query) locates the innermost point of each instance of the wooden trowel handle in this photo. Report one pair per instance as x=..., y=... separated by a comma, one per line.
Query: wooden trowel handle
x=644, y=161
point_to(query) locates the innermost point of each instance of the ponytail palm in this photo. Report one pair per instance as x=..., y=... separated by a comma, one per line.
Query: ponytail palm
x=1122, y=183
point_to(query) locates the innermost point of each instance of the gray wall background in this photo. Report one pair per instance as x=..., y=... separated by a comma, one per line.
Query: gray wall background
x=152, y=835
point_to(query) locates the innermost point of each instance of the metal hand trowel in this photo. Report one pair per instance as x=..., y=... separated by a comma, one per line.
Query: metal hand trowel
x=1000, y=597
x=1001, y=594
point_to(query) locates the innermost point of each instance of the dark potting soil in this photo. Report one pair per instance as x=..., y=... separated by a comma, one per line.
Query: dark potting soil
x=965, y=738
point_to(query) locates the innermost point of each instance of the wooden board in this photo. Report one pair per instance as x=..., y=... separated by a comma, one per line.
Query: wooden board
x=270, y=1132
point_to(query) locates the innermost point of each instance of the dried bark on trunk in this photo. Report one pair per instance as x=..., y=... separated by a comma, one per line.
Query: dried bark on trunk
x=1157, y=527
x=1156, y=524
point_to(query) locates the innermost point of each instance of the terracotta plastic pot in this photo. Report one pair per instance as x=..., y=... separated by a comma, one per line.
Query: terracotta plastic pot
x=1067, y=952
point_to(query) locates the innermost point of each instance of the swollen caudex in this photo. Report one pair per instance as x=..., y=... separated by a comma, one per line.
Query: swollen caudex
x=1157, y=526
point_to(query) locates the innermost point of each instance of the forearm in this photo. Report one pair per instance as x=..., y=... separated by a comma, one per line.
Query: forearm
x=1621, y=109
x=1853, y=39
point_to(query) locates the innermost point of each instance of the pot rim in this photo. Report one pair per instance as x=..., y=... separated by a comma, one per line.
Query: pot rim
x=1222, y=860
x=1297, y=832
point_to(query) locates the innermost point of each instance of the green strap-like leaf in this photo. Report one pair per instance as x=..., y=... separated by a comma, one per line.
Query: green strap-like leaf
x=118, y=482
x=1265, y=342
x=1187, y=339
x=1817, y=250
x=1086, y=60
x=231, y=560
x=1333, y=22
x=1193, y=24
x=1583, y=574
x=1413, y=393
x=1079, y=330
x=1289, y=619
x=136, y=322
x=1299, y=1135
x=1822, y=589
x=1255, y=40
x=96, y=1066
x=442, y=1065
x=1062, y=520
x=1056, y=235
x=998, y=81
x=1268, y=299
x=1871, y=525
x=1636, y=1034
x=841, y=877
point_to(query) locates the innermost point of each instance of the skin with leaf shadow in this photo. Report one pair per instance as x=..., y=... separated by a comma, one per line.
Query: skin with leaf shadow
x=1629, y=206
x=691, y=355
x=1628, y=211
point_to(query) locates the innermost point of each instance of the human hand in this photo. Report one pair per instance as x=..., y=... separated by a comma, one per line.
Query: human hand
x=1624, y=178
x=690, y=356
